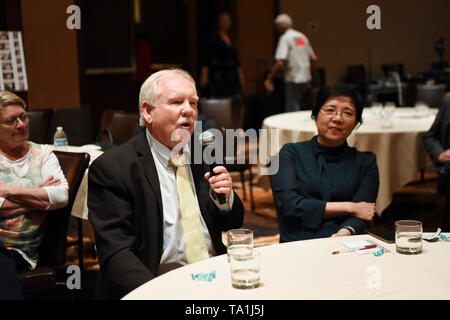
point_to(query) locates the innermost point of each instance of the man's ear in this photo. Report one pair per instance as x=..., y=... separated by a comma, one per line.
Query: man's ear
x=146, y=112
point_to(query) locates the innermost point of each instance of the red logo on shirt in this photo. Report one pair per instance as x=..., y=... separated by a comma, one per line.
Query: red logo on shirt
x=300, y=42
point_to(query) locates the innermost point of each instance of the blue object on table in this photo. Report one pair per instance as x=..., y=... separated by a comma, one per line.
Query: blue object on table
x=379, y=252
x=204, y=276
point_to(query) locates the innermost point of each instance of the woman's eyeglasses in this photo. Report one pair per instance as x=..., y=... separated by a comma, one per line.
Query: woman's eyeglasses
x=331, y=113
x=12, y=121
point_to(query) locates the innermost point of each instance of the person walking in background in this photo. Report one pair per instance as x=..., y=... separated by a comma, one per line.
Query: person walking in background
x=294, y=55
x=221, y=73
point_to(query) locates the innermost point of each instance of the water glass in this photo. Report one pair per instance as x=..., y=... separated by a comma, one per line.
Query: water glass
x=421, y=109
x=239, y=242
x=245, y=270
x=376, y=108
x=386, y=115
x=408, y=236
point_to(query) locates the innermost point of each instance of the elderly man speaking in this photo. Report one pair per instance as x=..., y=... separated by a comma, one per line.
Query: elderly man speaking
x=152, y=209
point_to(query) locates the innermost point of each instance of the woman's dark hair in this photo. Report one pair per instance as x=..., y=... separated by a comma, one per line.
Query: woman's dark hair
x=340, y=90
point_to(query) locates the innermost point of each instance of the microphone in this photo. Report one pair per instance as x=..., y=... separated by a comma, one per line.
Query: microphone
x=207, y=138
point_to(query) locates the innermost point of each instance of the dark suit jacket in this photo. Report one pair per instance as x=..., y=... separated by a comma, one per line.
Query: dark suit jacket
x=126, y=212
x=437, y=139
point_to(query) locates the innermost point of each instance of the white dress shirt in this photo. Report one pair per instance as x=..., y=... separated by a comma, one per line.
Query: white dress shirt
x=174, y=246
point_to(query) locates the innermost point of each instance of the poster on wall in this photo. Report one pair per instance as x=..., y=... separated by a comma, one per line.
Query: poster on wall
x=13, y=76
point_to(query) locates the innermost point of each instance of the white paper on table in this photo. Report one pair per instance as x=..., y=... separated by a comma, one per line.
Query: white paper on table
x=363, y=243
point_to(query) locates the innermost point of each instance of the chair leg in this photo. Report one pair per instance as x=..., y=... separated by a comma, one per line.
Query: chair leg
x=252, y=202
x=243, y=185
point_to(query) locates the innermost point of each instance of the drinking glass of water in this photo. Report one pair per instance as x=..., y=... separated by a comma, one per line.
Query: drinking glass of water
x=245, y=270
x=408, y=236
x=239, y=242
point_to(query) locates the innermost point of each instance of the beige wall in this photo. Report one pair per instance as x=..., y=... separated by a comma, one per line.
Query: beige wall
x=408, y=32
x=254, y=40
x=50, y=55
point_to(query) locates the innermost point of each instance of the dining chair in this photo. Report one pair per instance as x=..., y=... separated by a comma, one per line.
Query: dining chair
x=234, y=166
x=39, y=125
x=50, y=274
x=226, y=112
x=393, y=67
x=119, y=123
x=430, y=94
x=76, y=122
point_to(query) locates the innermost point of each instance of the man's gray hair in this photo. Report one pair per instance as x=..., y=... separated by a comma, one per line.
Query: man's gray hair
x=150, y=90
x=283, y=20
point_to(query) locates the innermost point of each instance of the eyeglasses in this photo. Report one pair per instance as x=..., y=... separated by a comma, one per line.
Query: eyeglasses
x=23, y=117
x=331, y=113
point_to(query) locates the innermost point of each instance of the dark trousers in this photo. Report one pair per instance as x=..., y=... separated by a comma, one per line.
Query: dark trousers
x=9, y=278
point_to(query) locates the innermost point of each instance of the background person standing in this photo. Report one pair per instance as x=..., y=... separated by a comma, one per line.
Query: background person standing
x=294, y=54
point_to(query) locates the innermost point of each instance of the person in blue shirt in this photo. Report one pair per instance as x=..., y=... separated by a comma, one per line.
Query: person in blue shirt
x=324, y=187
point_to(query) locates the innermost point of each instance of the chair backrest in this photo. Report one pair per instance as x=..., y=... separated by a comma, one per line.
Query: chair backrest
x=39, y=125
x=121, y=124
x=430, y=94
x=76, y=122
x=318, y=77
x=226, y=112
x=52, y=250
x=356, y=73
x=393, y=67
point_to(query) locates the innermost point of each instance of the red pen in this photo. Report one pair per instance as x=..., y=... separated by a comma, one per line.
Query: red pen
x=369, y=246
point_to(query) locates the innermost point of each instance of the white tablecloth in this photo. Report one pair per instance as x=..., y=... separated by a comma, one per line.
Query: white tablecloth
x=399, y=150
x=80, y=209
x=308, y=270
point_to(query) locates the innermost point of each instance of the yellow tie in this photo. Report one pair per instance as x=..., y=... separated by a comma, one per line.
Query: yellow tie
x=196, y=249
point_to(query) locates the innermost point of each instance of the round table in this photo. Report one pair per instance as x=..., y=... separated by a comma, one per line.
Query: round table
x=307, y=270
x=399, y=150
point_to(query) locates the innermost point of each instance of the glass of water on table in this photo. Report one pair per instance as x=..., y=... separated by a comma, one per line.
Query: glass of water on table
x=239, y=242
x=408, y=236
x=244, y=261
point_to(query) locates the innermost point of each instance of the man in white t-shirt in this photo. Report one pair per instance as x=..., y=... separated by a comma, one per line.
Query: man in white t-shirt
x=293, y=54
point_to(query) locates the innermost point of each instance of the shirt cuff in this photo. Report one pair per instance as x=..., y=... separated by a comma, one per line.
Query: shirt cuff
x=1, y=201
x=225, y=206
x=58, y=197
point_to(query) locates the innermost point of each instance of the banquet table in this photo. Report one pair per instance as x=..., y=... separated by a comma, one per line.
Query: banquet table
x=399, y=150
x=306, y=270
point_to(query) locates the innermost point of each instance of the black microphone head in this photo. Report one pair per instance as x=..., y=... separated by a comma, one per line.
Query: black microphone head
x=206, y=138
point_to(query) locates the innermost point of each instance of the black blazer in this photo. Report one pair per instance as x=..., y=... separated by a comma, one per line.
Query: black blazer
x=437, y=139
x=126, y=212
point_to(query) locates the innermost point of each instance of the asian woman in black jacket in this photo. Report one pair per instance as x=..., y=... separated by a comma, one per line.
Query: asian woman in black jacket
x=324, y=187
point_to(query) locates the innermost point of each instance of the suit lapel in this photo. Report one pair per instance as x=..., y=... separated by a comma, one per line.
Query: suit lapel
x=145, y=159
